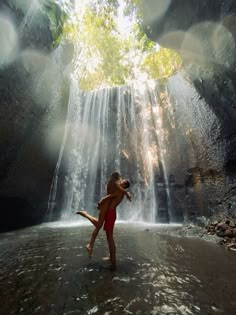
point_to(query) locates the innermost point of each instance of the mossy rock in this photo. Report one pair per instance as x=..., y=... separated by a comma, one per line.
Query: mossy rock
x=38, y=26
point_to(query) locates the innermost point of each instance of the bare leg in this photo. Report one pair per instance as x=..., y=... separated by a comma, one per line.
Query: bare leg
x=92, y=241
x=112, y=248
x=90, y=250
x=98, y=223
x=92, y=219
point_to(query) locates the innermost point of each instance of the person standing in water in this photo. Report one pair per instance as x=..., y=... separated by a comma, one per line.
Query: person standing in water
x=107, y=206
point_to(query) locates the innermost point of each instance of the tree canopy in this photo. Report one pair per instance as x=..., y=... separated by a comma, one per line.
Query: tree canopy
x=111, y=46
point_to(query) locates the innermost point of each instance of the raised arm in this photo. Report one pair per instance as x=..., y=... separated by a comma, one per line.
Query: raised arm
x=128, y=195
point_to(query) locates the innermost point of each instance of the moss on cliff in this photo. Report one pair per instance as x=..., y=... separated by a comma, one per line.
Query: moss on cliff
x=39, y=24
x=56, y=18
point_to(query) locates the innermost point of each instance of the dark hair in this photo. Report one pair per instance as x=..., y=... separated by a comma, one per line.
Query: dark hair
x=127, y=183
x=111, y=182
x=115, y=176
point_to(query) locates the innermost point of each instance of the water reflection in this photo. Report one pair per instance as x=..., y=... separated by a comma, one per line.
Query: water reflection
x=47, y=271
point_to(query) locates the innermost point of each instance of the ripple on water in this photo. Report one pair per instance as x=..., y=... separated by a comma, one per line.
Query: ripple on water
x=93, y=310
x=156, y=275
x=122, y=279
x=171, y=310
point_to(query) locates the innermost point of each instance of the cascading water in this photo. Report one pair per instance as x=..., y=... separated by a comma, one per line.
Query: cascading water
x=113, y=129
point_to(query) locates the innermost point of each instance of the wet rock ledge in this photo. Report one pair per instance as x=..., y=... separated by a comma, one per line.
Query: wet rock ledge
x=226, y=230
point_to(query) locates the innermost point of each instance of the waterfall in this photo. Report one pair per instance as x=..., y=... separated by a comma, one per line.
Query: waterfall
x=112, y=129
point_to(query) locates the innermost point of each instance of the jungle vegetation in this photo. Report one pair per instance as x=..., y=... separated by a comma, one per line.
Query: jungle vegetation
x=111, y=47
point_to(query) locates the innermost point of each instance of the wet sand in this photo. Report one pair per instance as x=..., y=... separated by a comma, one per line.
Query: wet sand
x=46, y=270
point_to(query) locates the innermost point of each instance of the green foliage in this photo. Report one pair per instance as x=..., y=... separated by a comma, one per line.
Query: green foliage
x=162, y=63
x=133, y=9
x=57, y=18
x=70, y=31
x=108, y=58
x=102, y=49
x=104, y=6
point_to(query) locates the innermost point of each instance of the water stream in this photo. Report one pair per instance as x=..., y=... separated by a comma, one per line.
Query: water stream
x=112, y=129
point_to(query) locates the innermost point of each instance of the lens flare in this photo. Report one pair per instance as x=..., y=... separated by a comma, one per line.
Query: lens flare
x=8, y=40
x=53, y=140
x=192, y=48
x=155, y=10
x=223, y=44
x=44, y=73
x=26, y=5
x=34, y=61
x=174, y=39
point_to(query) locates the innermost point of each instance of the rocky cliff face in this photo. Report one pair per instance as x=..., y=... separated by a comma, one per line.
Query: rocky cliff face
x=201, y=133
x=33, y=94
x=199, y=123
x=39, y=24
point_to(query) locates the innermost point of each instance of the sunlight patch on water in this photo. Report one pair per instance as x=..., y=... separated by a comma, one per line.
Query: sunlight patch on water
x=140, y=223
x=84, y=222
x=63, y=224
x=169, y=309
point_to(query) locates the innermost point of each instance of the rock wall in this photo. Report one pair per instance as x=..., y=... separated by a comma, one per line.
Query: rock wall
x=201, y=131
x=33, y=93
x=200, y=125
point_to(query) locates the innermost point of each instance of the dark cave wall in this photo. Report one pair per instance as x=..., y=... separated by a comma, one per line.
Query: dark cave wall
x=168, y=22
x=200, y=157
x=195, y=151
x=32, y=109
x=38, y=28
x=201, y=131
